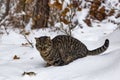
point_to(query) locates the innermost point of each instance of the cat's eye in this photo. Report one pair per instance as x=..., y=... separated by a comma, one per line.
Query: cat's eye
x=46, y=45
x=49, y=44
x=39, y=46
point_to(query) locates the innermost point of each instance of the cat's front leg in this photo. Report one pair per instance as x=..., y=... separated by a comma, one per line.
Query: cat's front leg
x=59, y=63
x=47, y=65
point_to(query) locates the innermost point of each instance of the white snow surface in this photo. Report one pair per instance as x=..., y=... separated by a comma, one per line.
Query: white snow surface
x=105, y=66
x=100, y=67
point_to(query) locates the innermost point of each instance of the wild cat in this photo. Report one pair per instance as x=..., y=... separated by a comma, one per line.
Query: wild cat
x=64, y=49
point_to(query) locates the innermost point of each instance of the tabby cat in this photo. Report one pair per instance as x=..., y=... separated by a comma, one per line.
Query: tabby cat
x=63, y=49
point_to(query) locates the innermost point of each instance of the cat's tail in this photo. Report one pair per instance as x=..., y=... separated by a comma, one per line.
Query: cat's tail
x=100, y=49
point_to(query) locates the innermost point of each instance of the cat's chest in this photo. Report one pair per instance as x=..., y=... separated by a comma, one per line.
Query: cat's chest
x=47, y=56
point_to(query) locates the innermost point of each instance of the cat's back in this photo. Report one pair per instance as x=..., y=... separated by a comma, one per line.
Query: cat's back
x=65, y=40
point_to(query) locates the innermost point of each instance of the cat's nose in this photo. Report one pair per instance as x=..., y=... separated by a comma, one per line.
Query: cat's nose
x=43, y=48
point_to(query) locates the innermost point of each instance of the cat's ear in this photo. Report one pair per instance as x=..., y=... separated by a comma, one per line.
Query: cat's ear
x=48, y=38
x=36, y=38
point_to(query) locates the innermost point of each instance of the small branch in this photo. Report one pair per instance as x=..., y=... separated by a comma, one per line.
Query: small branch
x=6, y=30
x=23, y=32
x=28, y=41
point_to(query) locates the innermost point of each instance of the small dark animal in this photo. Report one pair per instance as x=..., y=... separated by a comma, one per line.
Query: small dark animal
x=63, y=49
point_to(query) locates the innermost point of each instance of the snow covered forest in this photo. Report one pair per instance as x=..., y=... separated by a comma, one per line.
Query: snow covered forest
x=90, y=21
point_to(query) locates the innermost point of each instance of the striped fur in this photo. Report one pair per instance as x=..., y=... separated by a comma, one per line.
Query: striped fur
x=64, y=49
x=100, y=49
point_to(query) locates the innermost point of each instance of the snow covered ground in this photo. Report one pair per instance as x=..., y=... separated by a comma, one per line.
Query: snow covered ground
x=100, y=67
x=105, y=66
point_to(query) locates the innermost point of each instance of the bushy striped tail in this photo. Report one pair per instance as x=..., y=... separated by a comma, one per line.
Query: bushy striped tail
x=100, y=49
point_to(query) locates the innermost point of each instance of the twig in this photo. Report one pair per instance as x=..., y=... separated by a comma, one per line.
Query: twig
x=6, y=30
x=28, y=41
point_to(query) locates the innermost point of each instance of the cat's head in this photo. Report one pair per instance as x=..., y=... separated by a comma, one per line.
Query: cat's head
x=43, y=44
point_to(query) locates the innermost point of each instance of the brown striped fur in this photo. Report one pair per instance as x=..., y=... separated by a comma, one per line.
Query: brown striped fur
x=64, y=49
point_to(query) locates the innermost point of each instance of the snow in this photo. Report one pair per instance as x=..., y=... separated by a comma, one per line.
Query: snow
x=100, y=67
x=105, y=66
